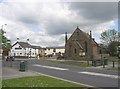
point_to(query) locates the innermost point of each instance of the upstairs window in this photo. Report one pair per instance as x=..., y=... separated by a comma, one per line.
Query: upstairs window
x=18, y=48
x=54, y=50
x=86, y=46
x=75, y=50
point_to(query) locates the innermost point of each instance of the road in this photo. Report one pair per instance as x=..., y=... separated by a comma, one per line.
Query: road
x=89, y=76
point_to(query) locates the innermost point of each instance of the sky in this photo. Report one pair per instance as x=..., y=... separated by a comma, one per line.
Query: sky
x=45, y=23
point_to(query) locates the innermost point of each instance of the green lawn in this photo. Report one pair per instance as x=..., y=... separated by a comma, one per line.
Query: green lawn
x=74, y=63
x=117, y=69
x=38, y=81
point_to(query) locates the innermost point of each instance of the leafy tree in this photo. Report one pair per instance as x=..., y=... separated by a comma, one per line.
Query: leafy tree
x=109, y=36
x=113, y=48
x=4, y=42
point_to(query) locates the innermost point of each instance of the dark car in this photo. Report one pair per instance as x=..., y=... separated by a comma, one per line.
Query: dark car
x=60, y=58
x=10, y=58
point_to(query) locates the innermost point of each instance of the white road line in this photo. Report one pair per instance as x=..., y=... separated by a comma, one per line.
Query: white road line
x=63, y=79
x=99, y=74
x=49, y=67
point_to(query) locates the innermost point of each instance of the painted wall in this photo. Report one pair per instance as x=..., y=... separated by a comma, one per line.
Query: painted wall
x=28, y=52
x=57, y=50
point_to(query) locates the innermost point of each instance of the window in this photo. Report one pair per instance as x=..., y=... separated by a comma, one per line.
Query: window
x=14, y=54
x=70, y=45
x=75, y=50
x=77, y=33
x=20, y=53
x=18, y=48
x=54, y=50
x=48, y=49
x=86, y=49
x=100, y=52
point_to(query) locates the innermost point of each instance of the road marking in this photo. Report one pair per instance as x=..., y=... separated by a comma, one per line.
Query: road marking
x=99, y=74
x=63, y=79
x=49, y=67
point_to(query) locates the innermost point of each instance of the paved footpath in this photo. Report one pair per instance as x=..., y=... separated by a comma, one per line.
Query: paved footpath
x=10, y=73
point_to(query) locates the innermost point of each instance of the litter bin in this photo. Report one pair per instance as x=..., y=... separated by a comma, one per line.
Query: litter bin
x=105, y=61
x=22, y=66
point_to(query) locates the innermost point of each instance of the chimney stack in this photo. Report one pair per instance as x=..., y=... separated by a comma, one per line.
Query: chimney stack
x=18, y=39
x=27, y=40
x=90, y=34
x=65, y=37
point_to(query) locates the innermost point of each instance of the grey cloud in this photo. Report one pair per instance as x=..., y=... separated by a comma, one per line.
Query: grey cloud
x=28, y=19
x=94, y=12
x=100, y=11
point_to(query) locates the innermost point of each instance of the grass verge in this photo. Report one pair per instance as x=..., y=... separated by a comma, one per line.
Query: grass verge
x=74, y=63
x=117, y=69
x=38, y=81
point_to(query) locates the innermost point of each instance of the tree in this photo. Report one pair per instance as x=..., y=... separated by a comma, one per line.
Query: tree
x=4, y=41
x=113, y=48
x=109, y=36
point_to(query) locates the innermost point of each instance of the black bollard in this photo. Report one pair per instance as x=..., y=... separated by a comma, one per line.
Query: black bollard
x=103, y=64
x=92, y=63
x=113, y=64
x=95, y=63
x=88, y=63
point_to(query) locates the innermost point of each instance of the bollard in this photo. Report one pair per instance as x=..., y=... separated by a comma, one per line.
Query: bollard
x=95, y=63
x=113, y=64
x=92, y=63
x=88, y=63
x=103, y=65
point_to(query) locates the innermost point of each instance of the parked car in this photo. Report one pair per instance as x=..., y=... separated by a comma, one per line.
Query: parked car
x=60, y=57
x=10, y=58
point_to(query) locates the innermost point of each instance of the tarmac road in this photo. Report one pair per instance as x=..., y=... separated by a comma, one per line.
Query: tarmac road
x=88, y=76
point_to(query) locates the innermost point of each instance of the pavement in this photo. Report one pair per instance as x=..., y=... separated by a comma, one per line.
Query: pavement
x=10, y=73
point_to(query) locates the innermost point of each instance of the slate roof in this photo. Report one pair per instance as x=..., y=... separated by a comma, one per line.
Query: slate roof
x=59, y=47
x=35, y=47
x=79, y=44
x=27, y=45
x=86, y=34
x=24, y=44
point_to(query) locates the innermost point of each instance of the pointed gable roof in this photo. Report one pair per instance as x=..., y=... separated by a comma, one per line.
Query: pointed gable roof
x=23, y=44
x=27, y=45
x=77, y=30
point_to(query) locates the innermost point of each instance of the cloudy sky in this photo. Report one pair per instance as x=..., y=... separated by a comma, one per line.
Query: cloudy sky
x=45, y=23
